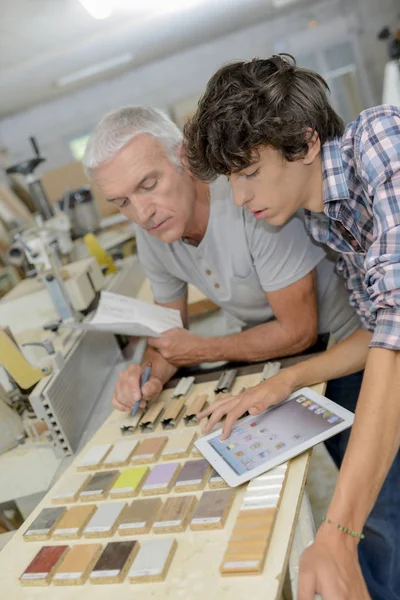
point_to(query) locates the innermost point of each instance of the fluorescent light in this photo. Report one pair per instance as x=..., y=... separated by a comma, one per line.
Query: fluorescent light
x=281, y=3
x=101, y=9
x=93, y=70
x=98, y=9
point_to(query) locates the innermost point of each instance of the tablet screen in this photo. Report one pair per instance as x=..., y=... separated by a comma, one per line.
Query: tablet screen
x=280, y=429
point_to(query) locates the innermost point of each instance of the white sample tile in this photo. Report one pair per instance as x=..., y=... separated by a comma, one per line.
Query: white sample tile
x=94, y=456
x=104, y=517
x=151, y=558
x=71, y=487
x=121, y=452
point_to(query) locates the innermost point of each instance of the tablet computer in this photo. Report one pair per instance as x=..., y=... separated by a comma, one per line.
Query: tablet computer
x=259, y=443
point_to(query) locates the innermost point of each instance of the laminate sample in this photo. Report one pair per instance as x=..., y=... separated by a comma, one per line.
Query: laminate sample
x=216, y=482
x=153, y=560
x=193, y=475
x=73, y=522
x=179, y=445
x=77, y=565
x=120, y=454
x=41, y=569
x=93, y=457
x=139, y=516
x=98, y=486
x=212, y=509
x=175, y=514
x=161, y=479
x=44, y=524
x=149, y=450
x=105, y=520
x=70, y=489
x=114, y=562
x=129, y=482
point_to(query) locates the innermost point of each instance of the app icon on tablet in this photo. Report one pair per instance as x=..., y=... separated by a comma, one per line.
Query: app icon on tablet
x=263, y=454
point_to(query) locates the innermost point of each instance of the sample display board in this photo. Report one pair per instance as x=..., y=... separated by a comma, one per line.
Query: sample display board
x=144, y=513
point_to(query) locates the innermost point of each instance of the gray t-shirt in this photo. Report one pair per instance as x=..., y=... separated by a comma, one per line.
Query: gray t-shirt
x=239, y=259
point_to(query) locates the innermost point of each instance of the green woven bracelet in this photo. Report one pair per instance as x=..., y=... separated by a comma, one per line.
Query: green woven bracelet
x=355, y=534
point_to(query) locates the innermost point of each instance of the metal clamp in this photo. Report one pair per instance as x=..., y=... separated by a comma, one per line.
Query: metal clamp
x=270, y=369
x=225, y=382
x=183, y=387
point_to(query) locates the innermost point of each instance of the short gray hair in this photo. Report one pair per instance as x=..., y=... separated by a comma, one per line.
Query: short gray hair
x=119, y=127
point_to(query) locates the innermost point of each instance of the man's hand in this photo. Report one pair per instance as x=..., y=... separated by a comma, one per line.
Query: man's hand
x=127, y=389
x=179, y=347
x=330, y=568
x=255, y=401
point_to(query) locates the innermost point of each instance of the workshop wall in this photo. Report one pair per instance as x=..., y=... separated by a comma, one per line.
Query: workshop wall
x=184, y=75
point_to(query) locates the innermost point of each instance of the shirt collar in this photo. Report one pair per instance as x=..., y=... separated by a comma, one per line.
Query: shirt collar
x=334, y=185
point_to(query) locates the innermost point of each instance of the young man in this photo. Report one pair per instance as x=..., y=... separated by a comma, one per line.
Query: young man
x=275, y=279
x=269, y=127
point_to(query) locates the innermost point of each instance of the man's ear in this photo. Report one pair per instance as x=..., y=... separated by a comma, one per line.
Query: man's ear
x=314, y=146
x=182, y=157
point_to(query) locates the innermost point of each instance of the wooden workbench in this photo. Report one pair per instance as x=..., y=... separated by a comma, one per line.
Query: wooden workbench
x=194, y=573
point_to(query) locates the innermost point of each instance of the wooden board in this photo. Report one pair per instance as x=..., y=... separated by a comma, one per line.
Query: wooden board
x=194, y=571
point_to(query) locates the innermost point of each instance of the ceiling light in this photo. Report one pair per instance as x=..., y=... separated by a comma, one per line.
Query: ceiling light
x=98, y=9
x=101, y=9
x=93, y=70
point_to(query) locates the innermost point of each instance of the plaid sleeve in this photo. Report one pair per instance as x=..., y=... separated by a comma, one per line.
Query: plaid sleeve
x=350, y=266
x=379, y=164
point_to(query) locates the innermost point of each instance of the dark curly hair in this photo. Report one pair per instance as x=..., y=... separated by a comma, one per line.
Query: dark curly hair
x=257, y=103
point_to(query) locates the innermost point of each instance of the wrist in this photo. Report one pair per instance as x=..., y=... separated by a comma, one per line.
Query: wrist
x=329, y=534
x=208, y=349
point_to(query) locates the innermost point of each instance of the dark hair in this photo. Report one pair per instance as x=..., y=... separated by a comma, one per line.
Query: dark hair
x=257, y=103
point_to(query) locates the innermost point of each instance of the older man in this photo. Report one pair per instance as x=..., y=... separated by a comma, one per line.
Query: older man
x=273, y=278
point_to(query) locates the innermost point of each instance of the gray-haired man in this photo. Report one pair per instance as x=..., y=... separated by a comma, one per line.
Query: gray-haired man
x=273, y=278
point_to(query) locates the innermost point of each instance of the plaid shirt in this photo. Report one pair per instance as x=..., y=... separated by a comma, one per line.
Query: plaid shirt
x=361, y=218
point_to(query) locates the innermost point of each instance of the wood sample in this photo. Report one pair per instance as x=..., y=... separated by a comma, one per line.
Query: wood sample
x=98, y=486
x=196, y=405
x=161, y=479
x=173, y=413
x=179, y=445
x=175, y=514
x=139, y=516
x=73, y=522
x=44, y=524
x=70, y=489
x=149, y=450
x=129, y=482
x=41, y=569
x=153, y=560
x=193, y=476
x=151, y=417
x=78, y=563
x=105, y=520
x=93, y=457
x=251, y=535
x=216, y=482
x=120, y=454
x=114, y=562
x=212, y=509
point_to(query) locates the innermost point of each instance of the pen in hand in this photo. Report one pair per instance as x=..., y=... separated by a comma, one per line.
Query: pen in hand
x=145, y=378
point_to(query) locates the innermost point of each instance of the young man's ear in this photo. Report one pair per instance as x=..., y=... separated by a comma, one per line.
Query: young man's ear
x=314, y=146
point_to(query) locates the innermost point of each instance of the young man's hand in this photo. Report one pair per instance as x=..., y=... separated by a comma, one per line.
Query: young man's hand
x=255, y=401
x=330, y=568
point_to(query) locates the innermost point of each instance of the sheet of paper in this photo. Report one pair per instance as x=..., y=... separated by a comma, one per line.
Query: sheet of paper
x=128, y=316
